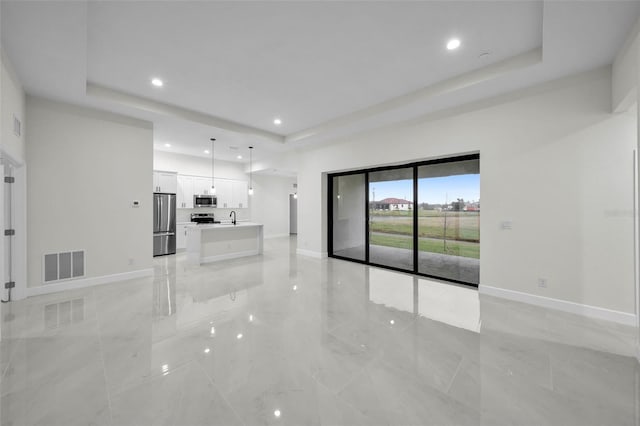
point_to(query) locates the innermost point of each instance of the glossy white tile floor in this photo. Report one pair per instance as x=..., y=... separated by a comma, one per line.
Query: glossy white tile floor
x=287, y=340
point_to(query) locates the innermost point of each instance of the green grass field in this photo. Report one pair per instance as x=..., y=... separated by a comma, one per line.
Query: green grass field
x=454, y=248
x=461, y=226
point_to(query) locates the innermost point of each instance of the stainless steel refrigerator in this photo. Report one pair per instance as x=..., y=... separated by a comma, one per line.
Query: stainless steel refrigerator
x=164, y=224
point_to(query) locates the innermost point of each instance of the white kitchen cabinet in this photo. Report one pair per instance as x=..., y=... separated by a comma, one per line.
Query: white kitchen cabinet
x=165, y=182
x=181, y=234
x=232, y=194
x=224, y=193
x=185, y=192
x=240, y=194
x=202, y=185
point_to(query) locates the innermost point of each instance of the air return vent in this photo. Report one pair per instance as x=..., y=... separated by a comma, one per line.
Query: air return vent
x=63, y=266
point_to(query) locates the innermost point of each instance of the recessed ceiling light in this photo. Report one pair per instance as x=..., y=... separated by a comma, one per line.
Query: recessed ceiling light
x=168, y=145
x=157, y=82
x=239, y=157
x=453, y=44
x=206, y=151
x=277, y=121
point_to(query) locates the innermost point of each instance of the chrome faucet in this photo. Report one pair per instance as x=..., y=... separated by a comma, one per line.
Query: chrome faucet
x=233, y=213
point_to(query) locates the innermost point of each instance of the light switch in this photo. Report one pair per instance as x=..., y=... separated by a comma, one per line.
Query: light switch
x=135, y=204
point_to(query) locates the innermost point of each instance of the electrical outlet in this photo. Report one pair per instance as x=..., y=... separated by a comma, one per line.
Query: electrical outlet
x=131, y=261
x=506, y=224
x=542, y=282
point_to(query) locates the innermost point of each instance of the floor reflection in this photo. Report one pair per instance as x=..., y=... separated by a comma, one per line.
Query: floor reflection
x=62, y=314
x=283, y=339
x=450, y=304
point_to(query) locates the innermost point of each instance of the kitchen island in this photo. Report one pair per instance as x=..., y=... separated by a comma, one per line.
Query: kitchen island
x=214, y=242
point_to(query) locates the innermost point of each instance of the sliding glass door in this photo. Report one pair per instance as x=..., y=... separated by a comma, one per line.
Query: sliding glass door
x=391, y=218
x=349, y=216
x=421, y=217
x=449, y=220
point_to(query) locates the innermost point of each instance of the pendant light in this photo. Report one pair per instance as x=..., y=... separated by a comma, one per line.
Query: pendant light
x=213, y=185
x=250, y=171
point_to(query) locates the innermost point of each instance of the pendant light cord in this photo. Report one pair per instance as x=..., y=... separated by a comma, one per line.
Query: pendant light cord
x=213, y=185
x=250, y=170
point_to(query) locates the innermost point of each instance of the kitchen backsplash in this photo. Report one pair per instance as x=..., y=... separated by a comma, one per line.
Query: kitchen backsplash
x=184, y=215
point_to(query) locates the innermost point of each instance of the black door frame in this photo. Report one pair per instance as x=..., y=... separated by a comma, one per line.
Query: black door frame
x=366, y=172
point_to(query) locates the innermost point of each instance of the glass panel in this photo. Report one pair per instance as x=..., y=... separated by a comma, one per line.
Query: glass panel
x=449, y=220
x=391, y=218
x=349, y=216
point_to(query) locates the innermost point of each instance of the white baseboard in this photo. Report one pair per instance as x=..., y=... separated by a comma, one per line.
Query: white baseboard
x=227, y=256
x=311, y=253
x=561, y=305
x=88, y=282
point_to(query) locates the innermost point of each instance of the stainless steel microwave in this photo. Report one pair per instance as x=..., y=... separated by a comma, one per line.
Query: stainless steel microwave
x=205, y=201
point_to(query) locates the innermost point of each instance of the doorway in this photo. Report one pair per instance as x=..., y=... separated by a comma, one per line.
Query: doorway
x=293, y=214
x=13, y=218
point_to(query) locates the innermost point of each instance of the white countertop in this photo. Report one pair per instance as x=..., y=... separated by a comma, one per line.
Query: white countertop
x=225, y=225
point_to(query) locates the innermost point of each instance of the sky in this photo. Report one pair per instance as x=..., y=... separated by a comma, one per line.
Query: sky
x=430, y=190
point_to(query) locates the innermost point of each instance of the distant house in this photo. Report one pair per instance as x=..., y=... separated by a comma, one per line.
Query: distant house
x=472, y=207
x=392, y=204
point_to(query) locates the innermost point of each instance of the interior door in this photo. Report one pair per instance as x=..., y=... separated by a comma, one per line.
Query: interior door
x=293, y=214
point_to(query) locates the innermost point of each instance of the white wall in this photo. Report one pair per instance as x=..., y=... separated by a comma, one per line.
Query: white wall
x=637, y=202
x=624, y=79
x=85, y=169
x=270, y=203
x=12, y=102
x=553, y=160
x=12, y=150
x=624, y=94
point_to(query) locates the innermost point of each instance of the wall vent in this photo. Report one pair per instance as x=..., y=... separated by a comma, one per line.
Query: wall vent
x=63, y=266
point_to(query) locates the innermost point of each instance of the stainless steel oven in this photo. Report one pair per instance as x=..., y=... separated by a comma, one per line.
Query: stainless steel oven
x=205, y=201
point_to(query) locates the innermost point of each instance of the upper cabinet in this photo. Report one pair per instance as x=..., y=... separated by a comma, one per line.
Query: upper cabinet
x=224, y=193
x=185, y=192
x=202, y=185
x=240, y=194
x=230, y=194
x=165, y=182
